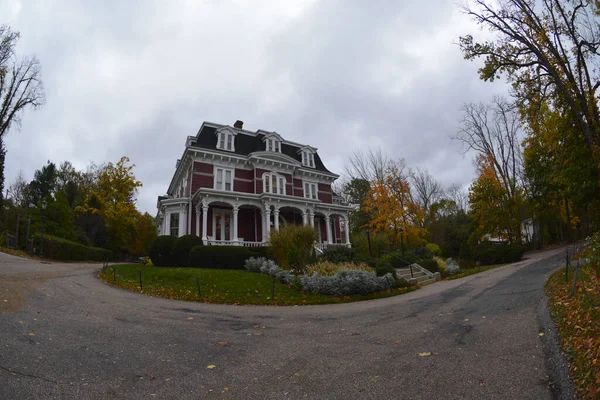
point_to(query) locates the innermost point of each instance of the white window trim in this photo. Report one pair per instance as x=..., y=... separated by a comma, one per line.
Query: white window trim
x=270, y=177
x=308, y=158
x=273, y=145
x=224, y=169
x=314, y=190
x=225, y=136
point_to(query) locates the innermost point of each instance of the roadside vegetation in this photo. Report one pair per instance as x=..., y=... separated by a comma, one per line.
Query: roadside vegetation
x=577, y=317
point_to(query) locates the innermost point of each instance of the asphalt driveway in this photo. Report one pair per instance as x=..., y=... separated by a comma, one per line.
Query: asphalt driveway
x=64, y=334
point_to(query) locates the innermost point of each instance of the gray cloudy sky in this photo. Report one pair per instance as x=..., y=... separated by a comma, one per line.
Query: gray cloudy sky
x=136, y=78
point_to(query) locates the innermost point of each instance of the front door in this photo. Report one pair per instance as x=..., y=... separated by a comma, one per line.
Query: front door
x=222, y=224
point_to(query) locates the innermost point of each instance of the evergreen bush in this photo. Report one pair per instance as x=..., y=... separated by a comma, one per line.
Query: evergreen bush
x=161, y=251
x=182, y=247
x=220, y=257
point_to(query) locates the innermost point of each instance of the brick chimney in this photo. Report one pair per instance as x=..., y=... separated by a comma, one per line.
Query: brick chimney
x=238, y=124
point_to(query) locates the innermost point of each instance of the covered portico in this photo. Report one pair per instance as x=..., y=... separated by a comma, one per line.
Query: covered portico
x=223, y=218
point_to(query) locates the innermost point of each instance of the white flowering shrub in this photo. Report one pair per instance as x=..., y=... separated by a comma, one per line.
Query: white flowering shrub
x=346, y=283
x=452, y=267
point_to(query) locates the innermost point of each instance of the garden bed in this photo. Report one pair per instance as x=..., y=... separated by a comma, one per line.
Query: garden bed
x=220, y=286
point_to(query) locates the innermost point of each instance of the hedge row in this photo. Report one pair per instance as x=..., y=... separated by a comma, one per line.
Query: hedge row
x=489, y=255
x=65, y=250
x=188, y=251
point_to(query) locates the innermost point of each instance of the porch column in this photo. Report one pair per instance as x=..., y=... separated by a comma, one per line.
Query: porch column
x=198, y=220
x=182, y=221
x=311, y=218
x=304, y=218
x=347, y=230
x=167, y=223
x=328, y=223
x=267, y=223
x=262, y=225
x=204, y=223
x=235, y=224
x=276, y=218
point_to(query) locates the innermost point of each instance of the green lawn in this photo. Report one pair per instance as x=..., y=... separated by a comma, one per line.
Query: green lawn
x=220, y=286
x=472, y=271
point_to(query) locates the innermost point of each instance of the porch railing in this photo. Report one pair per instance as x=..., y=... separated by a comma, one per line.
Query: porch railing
x=234, y=243
x=323, y=246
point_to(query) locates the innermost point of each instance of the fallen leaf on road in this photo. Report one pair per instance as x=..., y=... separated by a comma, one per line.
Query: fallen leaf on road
x=396, y=341
x=223, y=343
x=425, y=354
x=466, y=319
x=226, y=388
x=541, y=334
x=190, y=318
x=211, y=366
x=484, y=317
x=32, y=334
x=297, y=374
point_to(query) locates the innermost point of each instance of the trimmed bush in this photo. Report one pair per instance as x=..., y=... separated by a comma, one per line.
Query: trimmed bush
x=430, y=265
x=161, y=251
x=337, y=254
x=65, y=250
x=292, y=246
x=262, y=251
x=488, y=255
x=327, y=268
x=383, y=267
x=182, y=247
x=422, y=253
x=220, y=257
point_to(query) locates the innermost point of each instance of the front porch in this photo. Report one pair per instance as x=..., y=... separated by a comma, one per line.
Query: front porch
x=221, y=220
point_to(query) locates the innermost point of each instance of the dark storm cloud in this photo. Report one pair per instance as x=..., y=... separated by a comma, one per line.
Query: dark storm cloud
x=137, y=79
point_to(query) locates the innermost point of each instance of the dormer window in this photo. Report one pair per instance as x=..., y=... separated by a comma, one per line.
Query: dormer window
x=226, y=138
x=225, y=141
x=273, y=145
x=308, y=159
x=272, y=142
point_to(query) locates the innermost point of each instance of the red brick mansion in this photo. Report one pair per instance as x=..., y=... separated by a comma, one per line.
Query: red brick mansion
x=233, y=187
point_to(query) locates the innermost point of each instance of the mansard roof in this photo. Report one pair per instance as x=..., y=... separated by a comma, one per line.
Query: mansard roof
x=247, y=142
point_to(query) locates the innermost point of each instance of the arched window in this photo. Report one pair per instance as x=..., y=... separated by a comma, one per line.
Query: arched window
x=273, y=183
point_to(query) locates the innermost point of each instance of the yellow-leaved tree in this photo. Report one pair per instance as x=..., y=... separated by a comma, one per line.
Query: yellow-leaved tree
x=392, y=208
x=114, y=198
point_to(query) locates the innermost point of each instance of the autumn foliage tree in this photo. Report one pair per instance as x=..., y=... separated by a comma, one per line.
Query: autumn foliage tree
x=116, y=195
x=391, y=207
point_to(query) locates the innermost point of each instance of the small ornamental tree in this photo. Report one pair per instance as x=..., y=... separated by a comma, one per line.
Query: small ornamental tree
x=292, y=247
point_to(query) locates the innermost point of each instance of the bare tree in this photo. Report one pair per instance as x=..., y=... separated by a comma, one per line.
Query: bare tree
x=18, y=190
x=20, y=87
x=548, y=50
x=460, y=196
x=426, y=189
x=370, y=165
x=494, y=131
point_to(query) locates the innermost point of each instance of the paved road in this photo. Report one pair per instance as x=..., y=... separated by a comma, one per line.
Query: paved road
x=70, y=336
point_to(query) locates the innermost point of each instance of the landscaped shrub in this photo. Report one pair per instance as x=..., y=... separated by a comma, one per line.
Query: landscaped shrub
x=182, y=247
x=65, y=250
x=430, y=265
x=434, y=249
x=422, y=253
x=326, y=268
x=161, y=251
x=293, y=246
x=337, y=254
x=488, y=255
x=452, y=267
x=262, y=251
x=219, y=257
x=347, y=283
x=384, y=267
